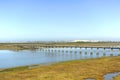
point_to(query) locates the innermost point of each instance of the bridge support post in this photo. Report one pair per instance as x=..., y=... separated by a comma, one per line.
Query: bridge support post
x=111, y=50
x=90, y=50
x=58, y=50
x=97, y=51
x=80, y=50
x=91, y=53
x=85, y=50
x=104, y=50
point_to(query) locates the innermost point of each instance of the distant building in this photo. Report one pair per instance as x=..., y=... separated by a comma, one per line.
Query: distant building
x=85, y=41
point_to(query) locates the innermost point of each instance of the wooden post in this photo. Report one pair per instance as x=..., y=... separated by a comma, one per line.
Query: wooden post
x=58, y=50
x=91, y=53
x=66, y=51
x=86, y=50
x=80, y=48
x=85, y=53
x=62, y=51
x=111, y=50
x=80, y=52
x=104, y=50
x=97, y=50
x=75, y=52
x=91, y=50
x=55, y=50
x=52, y=50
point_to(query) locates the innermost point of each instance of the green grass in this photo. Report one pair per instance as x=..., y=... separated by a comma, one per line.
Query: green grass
x=15, y=69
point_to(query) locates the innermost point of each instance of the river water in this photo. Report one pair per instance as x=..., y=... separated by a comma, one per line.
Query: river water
x=9, y=58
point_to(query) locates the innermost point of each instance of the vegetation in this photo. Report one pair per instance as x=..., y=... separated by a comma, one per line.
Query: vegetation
x=69, y=70
x=117, y=77
x=21, y=46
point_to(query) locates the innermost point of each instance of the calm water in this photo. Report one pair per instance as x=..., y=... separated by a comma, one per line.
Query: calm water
x=30, y=57
x=110, y=76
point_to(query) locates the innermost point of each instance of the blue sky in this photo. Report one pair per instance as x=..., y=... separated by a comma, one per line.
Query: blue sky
x=59, y=20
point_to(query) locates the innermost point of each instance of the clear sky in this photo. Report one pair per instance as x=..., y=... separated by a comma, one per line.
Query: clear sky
x=59, y=20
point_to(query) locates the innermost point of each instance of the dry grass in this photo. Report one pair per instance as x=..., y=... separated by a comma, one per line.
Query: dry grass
x=19, y=46
x=9, y=47
x=70, y=70
x=117, y=77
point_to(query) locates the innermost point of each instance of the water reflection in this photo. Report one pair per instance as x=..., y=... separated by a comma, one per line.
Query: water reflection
x=51, y=55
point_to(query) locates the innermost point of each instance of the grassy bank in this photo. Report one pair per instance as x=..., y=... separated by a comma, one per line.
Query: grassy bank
x=69, y=70
x=117, y=77
x=22, y=46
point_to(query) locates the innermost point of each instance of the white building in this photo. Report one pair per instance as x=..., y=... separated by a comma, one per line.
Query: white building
x=85, y=41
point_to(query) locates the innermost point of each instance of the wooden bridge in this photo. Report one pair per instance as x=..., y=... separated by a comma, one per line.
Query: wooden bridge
x=79, y=49
x=65, y=46
x=85, y=48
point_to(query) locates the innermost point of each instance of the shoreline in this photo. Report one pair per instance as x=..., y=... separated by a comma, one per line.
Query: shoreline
x=33, y=46
x=117, y=77
x=92, y=68
x=88, y=68
x=50, y=64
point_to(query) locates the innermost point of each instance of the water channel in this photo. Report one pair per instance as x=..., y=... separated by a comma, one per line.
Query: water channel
x=110, y=76
x=10, y=58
